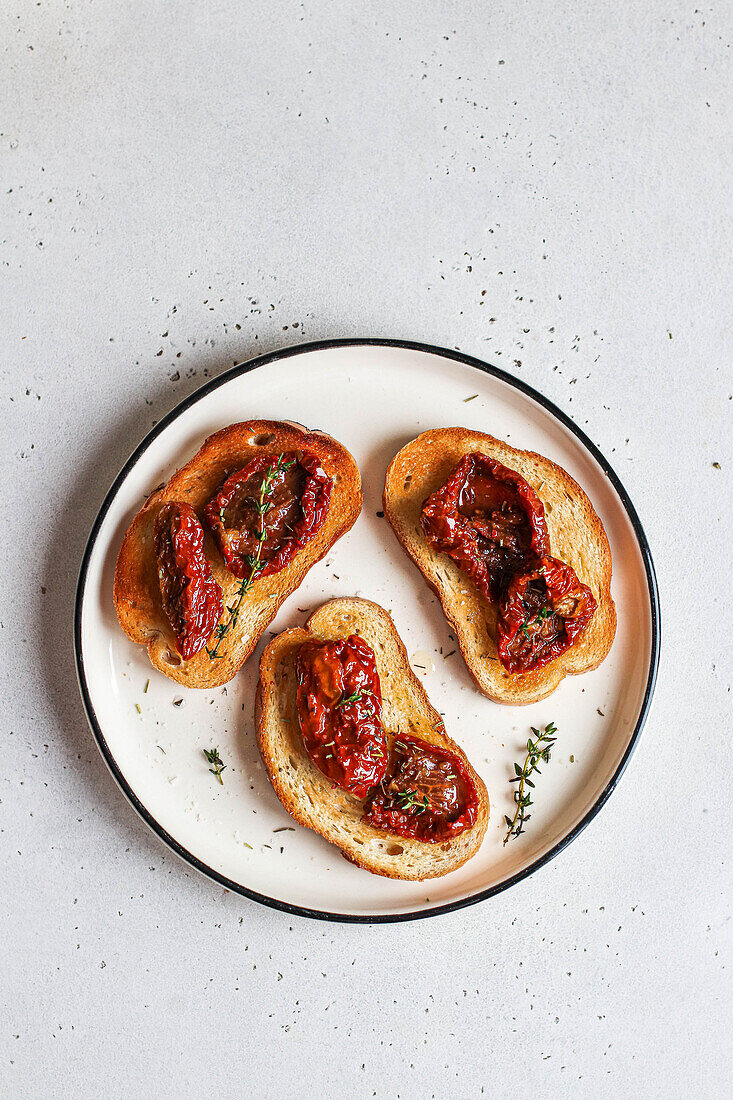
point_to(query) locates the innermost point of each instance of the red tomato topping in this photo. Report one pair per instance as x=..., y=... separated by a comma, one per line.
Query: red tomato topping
x=492, y=524
x=488, y=520
x=339, y=702
x=543, y=612
x=266, y=512
x=427, y=794
x=191, y=597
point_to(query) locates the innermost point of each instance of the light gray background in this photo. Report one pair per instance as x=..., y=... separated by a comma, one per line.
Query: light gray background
x=546, y=185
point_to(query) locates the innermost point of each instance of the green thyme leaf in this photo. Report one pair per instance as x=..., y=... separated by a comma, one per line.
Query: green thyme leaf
x=212, y=755
x=537, y=750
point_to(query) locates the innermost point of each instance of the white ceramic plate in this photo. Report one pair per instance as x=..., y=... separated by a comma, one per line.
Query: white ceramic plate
x=373, y=396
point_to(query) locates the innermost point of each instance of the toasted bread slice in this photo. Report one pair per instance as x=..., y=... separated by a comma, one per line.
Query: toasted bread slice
x=576, y=536
x=307, y=794
x=136, y=588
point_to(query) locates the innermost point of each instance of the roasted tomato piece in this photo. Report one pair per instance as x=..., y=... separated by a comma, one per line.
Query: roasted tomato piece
x=488, y=520
x=191, y=597
x=266, y=512
x=339, y=702
x=544, y=610
x=426, y=794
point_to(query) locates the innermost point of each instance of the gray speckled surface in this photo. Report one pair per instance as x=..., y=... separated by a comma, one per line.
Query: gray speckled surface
x=543, y=185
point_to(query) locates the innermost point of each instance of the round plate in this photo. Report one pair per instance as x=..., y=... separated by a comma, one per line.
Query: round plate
x=373, y=396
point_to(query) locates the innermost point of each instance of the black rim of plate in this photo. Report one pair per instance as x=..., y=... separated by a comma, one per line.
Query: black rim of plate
x=482, y=895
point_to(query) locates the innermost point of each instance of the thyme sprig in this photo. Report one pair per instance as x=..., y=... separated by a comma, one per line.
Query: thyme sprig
x=254, y=561
x=542, y=614
x=537, y=750
x=212, y=755
x=409, y=799
x=355, y=697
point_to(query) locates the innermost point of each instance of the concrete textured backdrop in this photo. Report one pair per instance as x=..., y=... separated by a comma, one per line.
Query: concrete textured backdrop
x=544, y=185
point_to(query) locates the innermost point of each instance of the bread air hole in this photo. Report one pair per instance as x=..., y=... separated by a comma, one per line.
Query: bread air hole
x=394, y=849
x=172, y=659
x=408, y=480
x=262, y=440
